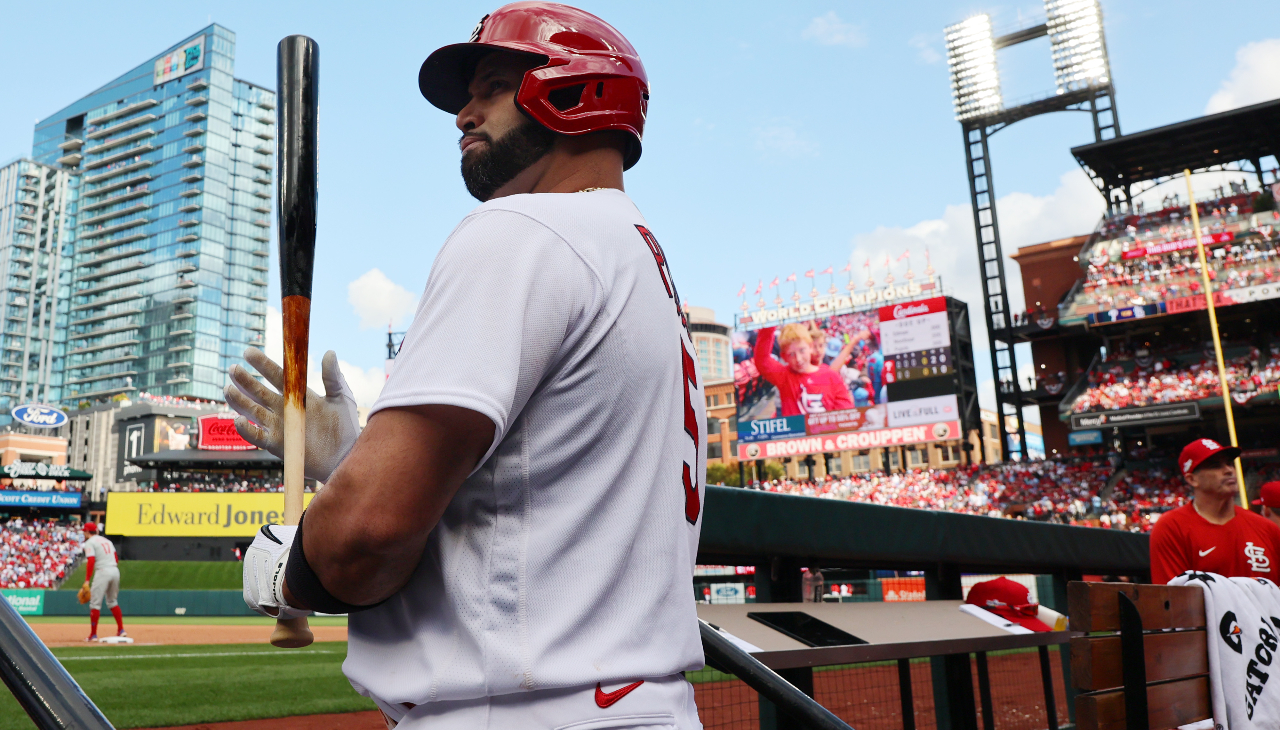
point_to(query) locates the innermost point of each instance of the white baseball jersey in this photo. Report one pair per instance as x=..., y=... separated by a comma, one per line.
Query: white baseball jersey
x=566, y=558
x=101, y=550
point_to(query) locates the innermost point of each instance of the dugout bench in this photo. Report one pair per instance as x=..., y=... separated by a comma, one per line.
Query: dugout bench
x=1143, y=663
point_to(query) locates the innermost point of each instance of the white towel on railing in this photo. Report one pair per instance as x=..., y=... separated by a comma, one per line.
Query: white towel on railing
x=1243, y=617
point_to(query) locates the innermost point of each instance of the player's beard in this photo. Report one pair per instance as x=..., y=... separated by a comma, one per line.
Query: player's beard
x=485, y=171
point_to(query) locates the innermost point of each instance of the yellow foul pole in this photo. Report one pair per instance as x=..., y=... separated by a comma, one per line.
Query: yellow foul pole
x=1217, y=341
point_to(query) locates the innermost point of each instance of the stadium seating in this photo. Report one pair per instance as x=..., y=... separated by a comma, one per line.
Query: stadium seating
x=37, y=553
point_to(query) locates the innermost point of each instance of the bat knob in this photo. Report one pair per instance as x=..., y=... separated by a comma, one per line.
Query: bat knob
x=292, y=633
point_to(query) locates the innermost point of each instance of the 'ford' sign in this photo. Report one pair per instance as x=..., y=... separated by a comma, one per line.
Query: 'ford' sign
x=39, y=416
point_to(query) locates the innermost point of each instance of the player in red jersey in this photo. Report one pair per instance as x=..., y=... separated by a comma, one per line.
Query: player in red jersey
x=803, y=386
x=1212, y=534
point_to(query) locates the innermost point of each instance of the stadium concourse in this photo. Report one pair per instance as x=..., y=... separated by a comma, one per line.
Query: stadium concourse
x=1085, y=492
x=38, y=553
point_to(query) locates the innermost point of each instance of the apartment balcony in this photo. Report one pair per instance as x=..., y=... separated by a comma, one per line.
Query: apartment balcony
x=71, y=144
x=185, y=284
x=265, y=119
x=182, y=315
x=197, y=85
x=179, y=348
x=126, y=297
x=260, y=252
x=109, y=287
x=262, y=209
x=110, y=143
x=187, y=269
x=190, y=192
x=264, y=194
x=121, y=155
x=188, y=238
x=104, y=346
x=180, y=333
x=196, y=116
x=261, y=223
x=257, y=327
x=263, y=149
x=176, y=365
x=267, y=104
x=90, y=179
x=102, y=331
x=264, y=164
x=260, y=267
x=120, y=127
x=258, y=297
x=194, y=162
x=137, y=179
x=194, y=132
x=188, y=253
x=192, y=149
x=111, y=242
x=70, y=160
x=193, y=176
x=104, y=376
x=135, y=208
x=103, y=273
x=189, y=208
x=265, y=134
x=123, y=112
x=99, y=363
x=263, y=179
x=107, y=391
x=113, y=199
x=178, y=380
x=105, y=258
x=200, y=100
x=188, y=222
x=26, y=215
x=109, y=315
x=257, y=282
x=113, y=228
x=184, y=299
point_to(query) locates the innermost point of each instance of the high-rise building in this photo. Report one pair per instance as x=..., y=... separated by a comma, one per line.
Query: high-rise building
x=36, y=217
x=175, y=162
x=715, y=351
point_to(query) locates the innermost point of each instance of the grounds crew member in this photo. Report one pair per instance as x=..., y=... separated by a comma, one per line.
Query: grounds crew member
x=102, y=576
x=1212, y=534
x=1269, y=500
x=514, y=532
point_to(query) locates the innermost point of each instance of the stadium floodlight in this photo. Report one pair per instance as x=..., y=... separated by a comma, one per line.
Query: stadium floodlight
x=1078, y=46
x=971, y=56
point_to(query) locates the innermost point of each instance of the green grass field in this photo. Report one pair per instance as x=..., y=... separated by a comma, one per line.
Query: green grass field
x=193, y=620
x=191, y=575
x=156, y=686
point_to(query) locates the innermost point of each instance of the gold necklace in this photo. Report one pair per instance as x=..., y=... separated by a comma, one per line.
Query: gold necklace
x=591, y=190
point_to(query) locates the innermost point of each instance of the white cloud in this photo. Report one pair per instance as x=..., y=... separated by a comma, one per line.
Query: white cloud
x=364, y=384
x=830, y=30
x=783, y=137
x=1072, y=209
x=923, y=43
x=379, y=301
x=1256, y=78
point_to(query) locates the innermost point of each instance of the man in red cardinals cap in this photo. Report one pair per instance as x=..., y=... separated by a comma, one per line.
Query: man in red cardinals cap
x=1212, y=534
x=1269, y=500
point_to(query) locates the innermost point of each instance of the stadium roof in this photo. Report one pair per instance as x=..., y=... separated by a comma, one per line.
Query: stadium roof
x=198, y=459
x=1248, y=133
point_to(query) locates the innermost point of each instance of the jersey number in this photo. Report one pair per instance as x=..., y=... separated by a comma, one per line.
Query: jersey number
x=688, y=378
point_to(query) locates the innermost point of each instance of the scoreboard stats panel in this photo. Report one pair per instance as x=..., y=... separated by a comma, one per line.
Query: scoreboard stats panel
x=918, y=364
x=915, y=338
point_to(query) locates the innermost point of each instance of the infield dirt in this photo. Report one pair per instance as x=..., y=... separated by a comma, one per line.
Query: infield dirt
x=73, y=634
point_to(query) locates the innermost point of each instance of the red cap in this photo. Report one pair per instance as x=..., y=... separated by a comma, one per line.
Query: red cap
x=91, y=527
x=1269, y=495
x=1009, y=600
x=1195, y=453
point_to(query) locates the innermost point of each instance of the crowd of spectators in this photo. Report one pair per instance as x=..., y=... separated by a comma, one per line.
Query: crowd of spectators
x=1067, y=491
x=175, y=481
x=37, y=553
x=1154, y=380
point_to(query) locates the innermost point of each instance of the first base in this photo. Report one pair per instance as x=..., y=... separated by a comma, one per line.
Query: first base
x=116, y=640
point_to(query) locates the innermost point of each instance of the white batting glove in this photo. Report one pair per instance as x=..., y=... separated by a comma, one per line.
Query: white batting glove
x=264, y=564
x=332, y=423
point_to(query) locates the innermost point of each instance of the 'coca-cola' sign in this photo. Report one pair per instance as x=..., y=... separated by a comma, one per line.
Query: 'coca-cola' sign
x=218, y=433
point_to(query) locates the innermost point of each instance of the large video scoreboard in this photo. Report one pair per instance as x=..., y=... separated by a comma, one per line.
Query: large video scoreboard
x=857, y=380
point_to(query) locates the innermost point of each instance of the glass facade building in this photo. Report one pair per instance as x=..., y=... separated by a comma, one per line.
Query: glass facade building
x=174, y=161
x=37, y=204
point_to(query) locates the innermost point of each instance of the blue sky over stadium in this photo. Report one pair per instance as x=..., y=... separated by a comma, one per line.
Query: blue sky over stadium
x=782, y=136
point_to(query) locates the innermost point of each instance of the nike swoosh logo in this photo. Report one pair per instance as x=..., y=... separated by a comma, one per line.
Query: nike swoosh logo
x=605, y=699
x=1206, y=552
x=266, y=530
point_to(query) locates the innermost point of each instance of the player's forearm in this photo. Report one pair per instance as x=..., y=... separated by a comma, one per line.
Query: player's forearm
x=364, y=534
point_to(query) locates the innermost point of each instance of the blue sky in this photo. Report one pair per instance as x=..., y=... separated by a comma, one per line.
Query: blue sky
x=781, y=136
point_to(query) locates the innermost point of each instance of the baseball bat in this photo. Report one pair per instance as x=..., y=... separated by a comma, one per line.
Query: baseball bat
x=297, y=82
x=39, y=682
x=723, y=655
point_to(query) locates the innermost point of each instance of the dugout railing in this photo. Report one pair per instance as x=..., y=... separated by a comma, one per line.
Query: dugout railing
x=1000, y=683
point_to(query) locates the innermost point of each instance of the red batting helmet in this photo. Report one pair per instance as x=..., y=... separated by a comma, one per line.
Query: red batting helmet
x=91, y=527
x=591, y=80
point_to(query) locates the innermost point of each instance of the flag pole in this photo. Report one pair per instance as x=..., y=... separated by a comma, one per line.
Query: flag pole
x=1217, y=340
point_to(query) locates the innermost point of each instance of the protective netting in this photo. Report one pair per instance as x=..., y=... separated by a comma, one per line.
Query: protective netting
x=867, y=695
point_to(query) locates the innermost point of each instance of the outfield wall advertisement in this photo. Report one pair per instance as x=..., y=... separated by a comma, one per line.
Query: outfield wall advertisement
x=820, y=385
x=193, y=514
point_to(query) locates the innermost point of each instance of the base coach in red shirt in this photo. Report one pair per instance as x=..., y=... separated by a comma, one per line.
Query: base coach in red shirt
x=1212, y=534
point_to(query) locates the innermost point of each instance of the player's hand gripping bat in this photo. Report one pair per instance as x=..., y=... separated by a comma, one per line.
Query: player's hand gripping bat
x=297, y=83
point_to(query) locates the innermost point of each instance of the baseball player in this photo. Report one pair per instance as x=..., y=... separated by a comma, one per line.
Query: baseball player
x=102, y=575
x=513, y=534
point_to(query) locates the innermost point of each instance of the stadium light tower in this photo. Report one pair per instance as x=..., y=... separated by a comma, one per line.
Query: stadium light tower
x=1082, y=75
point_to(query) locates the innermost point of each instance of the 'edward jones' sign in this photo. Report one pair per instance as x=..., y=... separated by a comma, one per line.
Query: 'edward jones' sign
x=218, y=433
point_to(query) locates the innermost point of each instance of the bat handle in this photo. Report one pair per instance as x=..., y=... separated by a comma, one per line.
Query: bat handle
x=292, y=633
